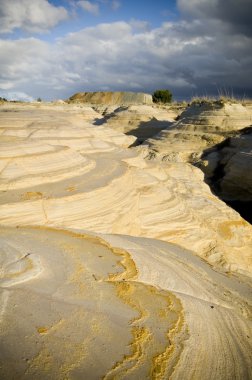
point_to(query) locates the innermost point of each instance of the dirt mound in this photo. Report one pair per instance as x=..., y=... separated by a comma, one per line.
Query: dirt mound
x=111, y=98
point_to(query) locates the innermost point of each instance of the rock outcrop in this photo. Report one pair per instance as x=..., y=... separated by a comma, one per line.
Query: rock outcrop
x=74, y=294
x=141, y=121
x=75, y=174
x=199, y=127
x=98, y=243
x=228, y=166
x=111, y=98
x=228, y=171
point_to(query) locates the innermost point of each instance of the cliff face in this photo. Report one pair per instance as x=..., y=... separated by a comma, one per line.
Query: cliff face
x=200, y=127
x=228, y=166
x=111, y=98
x=217, y=138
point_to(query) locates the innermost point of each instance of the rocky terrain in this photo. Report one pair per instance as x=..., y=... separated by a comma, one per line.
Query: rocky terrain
x=140, y=121
x=111, y=98
x=215, y=136
x=200, y=126
x=227, y=167
x=99, y=241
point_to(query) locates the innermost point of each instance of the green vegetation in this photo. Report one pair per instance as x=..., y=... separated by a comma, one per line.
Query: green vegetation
x=162, y=96
x=39, y=100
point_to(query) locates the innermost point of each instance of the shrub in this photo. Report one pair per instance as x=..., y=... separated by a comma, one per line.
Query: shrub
x=162, y=96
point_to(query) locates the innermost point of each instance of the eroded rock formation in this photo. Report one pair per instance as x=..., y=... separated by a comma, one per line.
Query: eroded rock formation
x=98, y=243
x=83, y=294
x=60, y=165
x=141, y=121
x=199, y=127
x=228, y=170
x=111, y=98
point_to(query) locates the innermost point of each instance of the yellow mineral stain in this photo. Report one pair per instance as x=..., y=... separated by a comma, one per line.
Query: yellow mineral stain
x=71, y=188
x=163, y=313
x=226, y=228
x=130, y=270
x=32, y=195
x=161, y=361
x=126, y=292
x=127, y=263
x=127, y=289
x=141, y=336
x=42, y=330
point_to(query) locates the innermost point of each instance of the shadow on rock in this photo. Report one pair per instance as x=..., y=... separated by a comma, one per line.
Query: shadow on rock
x=228, y=171
x=148, y=129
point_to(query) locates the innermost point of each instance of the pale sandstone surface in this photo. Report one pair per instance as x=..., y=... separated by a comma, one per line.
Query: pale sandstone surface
x=200, y=126
x=78, y=180
x=216, y=137
x=142, y=121
x=117, y=307
x=89, y=282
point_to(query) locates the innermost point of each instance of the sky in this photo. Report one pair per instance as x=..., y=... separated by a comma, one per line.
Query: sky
x=53, y=49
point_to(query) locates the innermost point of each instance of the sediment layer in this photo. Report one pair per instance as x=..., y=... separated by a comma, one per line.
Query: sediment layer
x=111, y=98
x=113, y=266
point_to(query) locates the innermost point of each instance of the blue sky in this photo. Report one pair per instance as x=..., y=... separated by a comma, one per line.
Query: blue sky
x=155, y=12
x=52, y=49
x=152, y=12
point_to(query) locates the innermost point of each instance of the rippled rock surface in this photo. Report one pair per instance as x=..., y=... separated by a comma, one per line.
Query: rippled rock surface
x=199, y=127
x=141, y=121
x=113, y=266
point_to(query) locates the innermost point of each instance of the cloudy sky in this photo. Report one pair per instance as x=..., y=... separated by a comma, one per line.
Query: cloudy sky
x=55, y=48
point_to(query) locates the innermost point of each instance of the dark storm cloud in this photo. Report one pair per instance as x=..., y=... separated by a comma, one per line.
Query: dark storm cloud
x=236, y=13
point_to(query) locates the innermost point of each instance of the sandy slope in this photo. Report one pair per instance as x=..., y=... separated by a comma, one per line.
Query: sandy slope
x=105, y=246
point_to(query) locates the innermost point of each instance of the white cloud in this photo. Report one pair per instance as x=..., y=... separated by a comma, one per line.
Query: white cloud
x=139, y=25
x=30, y=15
x=89, y=7
x=16, y=95
x=188, y=57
